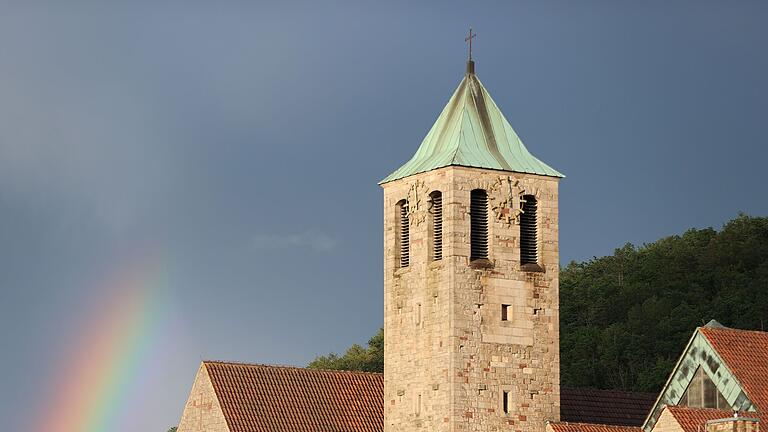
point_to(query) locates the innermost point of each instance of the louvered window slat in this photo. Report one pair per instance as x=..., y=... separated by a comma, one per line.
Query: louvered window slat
x=404, y=234
x=437, y=226
x=478, y=212
x=528, y=232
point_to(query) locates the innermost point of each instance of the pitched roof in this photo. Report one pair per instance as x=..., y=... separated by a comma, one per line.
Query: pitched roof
x=692, y=419
x=471, y=131
x=278, y=398
x=612, y=407
x=735, y=360
x=591, y=427
x=263, y=397
x=745, y=352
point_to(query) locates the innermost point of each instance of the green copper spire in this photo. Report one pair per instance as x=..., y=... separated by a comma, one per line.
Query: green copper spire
x=471, y=131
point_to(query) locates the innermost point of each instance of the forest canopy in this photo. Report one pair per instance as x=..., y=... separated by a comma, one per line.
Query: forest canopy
x=625, y=318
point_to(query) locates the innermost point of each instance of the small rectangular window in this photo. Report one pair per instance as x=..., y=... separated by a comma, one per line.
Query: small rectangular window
x=505, y=402
x=418, y=405
x=505, y=312
x=418, y=314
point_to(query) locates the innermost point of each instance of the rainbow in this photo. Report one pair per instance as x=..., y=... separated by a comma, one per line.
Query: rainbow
x=100, y=381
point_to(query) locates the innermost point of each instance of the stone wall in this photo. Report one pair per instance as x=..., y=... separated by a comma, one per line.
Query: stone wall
x=734, y=424
x=202, y=412
x=667, y=423
x=449, y=357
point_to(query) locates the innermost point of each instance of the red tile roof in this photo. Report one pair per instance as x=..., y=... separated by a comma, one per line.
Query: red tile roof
x=745, y=353
x=611, y=407
x=591, y=427
x=693, y=419
x=277, y=398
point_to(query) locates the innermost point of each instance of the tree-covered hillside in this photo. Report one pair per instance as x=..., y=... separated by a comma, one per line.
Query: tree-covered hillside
x=625, y=318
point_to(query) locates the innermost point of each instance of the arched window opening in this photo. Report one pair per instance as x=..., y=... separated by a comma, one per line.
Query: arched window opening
x=529, y=253
x=403, y=235
x=437, y=225
x=478, y=214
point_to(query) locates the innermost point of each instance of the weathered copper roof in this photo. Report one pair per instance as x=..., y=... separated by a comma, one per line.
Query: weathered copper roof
x=471, y=131
x=278, y=398
x=745, y=353
x=591, y=427
x=613, y=407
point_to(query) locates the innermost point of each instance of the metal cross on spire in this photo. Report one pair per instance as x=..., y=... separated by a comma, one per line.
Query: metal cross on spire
x=469, y=39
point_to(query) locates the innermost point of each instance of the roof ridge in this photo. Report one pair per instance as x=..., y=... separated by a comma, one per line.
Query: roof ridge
x=279, y=366
x=454, y=152
x=723, y=328
x=608, y=390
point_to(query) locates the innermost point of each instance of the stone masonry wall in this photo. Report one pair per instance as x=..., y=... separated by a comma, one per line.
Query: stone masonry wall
x=667, y=423
x=417, y=354
x=735, y=424
x=202, y=412
x=445, y=342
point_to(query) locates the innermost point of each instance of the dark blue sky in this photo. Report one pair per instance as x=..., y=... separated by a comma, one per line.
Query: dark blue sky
x=243, y=141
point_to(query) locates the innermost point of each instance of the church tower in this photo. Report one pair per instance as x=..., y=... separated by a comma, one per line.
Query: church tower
x=471, y=277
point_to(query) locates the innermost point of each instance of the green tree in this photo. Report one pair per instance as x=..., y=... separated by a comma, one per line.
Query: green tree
x=357, y=358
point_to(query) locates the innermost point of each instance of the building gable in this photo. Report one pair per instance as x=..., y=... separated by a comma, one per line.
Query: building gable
x=203, y=412
x=700, y=354
x=668, y=422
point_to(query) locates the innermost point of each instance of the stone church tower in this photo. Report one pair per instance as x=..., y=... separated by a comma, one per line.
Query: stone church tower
x=471, y=277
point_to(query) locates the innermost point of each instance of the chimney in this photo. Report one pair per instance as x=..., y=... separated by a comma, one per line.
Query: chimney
x=736, y=423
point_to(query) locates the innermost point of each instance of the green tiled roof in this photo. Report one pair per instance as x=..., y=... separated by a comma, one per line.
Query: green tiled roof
x=471, y=131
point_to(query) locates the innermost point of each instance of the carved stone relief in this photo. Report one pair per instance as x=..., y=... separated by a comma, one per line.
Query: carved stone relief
x=507, y=199
x=417, y=207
